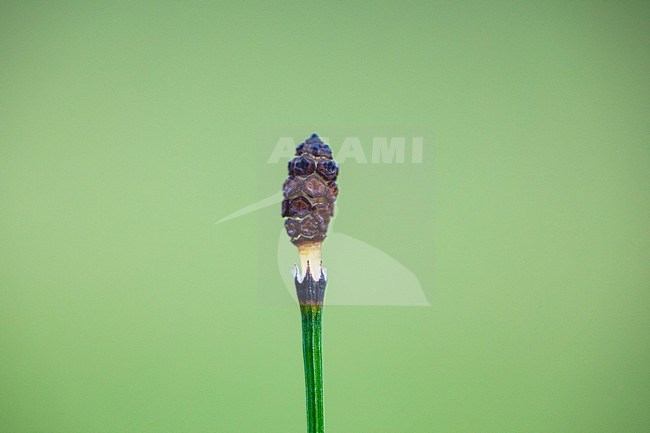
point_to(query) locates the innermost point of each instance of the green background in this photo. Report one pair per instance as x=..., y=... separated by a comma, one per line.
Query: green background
x=128, y=128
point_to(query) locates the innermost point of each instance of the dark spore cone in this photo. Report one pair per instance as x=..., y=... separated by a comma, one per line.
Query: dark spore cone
x=310, y=192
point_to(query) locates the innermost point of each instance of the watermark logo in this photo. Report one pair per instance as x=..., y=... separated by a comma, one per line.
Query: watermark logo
x=366, y=275
x=383, y=150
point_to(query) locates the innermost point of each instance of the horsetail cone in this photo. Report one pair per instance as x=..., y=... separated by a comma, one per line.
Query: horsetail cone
x=309, y=195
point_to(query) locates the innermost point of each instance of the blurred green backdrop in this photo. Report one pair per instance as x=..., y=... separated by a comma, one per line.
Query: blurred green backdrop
x=128, y=128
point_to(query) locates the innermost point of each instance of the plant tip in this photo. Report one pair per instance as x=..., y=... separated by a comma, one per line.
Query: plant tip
x=310, y=192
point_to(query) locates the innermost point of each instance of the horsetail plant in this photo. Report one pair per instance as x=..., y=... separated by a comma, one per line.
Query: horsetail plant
x=308, y=206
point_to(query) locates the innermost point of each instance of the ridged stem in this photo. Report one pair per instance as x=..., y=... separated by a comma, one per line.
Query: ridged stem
x=312, y=354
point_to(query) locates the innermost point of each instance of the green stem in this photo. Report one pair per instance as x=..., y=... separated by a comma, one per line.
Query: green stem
x=312, y=354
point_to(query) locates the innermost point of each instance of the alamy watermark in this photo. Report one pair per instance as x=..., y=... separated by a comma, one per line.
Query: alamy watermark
x=377, y=150
x=369, y=274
